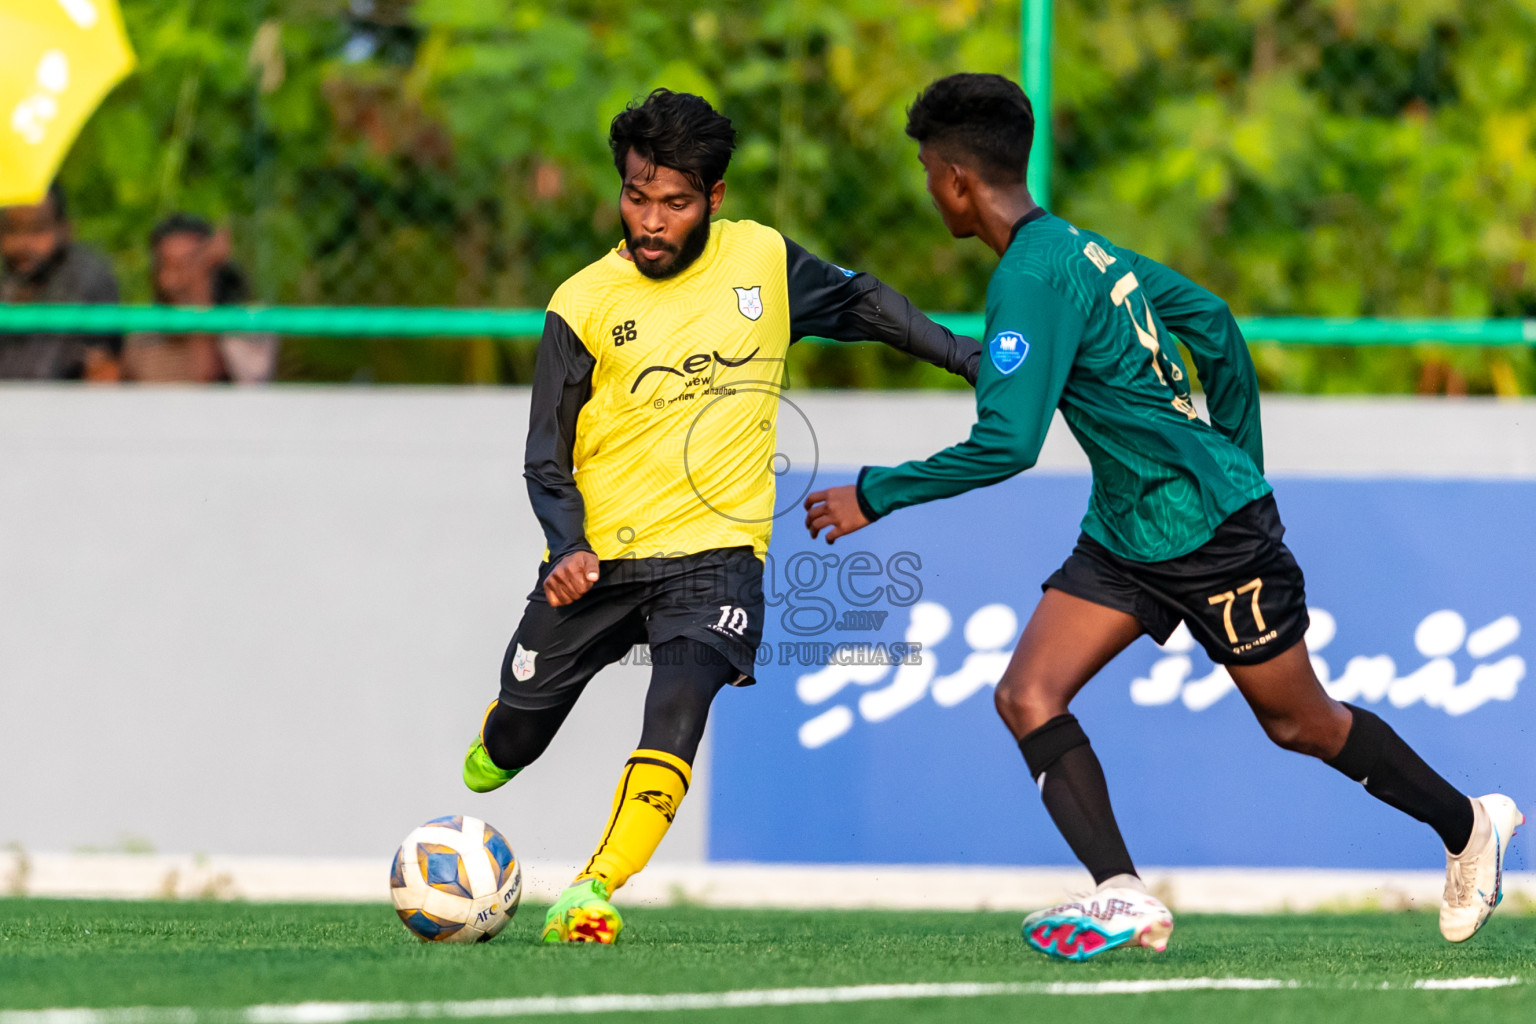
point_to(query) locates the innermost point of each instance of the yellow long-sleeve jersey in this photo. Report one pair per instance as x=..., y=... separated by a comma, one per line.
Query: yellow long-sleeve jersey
x=655, y=402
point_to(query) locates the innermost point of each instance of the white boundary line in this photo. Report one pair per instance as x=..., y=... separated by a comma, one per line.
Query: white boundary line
x=1465, y=983
x=347, y=1013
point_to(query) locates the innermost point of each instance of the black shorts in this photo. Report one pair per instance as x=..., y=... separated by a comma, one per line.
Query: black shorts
x=1241, y=592
x=714, y=597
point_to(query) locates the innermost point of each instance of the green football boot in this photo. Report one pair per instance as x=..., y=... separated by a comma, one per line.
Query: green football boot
x=583, y=914
x=480, y=772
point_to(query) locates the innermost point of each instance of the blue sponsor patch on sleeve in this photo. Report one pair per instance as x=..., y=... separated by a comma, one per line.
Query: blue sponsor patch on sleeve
x=845, y=270
x=1008, y=349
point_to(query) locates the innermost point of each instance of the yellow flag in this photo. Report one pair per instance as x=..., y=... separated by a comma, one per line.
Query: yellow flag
x=58, y=59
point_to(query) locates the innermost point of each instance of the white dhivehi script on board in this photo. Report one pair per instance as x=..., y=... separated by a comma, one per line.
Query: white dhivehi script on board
x=884, y=691
x=1369, y=678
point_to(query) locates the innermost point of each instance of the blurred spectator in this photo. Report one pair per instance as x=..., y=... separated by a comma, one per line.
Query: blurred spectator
x=192, y=268
x=43, y=263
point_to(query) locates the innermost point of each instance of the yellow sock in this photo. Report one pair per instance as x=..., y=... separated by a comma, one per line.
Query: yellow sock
x=652, y=786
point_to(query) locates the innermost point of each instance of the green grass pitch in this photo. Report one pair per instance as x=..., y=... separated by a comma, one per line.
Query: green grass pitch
x=226, y=956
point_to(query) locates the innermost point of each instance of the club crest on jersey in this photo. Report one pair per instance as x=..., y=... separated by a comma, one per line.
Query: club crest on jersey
x=749, y=301
x=1008, y=350
x=522, y=664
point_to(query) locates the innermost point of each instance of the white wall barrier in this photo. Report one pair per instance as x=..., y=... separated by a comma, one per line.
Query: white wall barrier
x=225, y=614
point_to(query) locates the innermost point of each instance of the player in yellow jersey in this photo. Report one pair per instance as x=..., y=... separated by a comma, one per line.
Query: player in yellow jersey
x=650, y=467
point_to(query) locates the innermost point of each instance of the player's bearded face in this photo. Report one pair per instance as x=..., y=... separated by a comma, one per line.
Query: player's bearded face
x=665, y=217
x=676, y=256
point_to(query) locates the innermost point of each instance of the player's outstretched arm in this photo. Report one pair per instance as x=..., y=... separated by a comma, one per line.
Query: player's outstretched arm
x=826, y=301
x=1001, y=445
x=1033, y=333
x=562, y=382
x=1206, y=326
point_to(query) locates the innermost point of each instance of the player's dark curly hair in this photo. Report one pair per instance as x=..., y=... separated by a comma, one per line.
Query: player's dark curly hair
x=986, y=118
x=677, y=130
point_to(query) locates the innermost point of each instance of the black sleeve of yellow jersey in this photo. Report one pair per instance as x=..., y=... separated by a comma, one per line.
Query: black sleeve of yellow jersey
x=826, y=301
x=562, y=382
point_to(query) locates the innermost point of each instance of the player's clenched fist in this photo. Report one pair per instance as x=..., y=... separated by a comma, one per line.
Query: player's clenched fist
x=571, y=577
x=835, y=510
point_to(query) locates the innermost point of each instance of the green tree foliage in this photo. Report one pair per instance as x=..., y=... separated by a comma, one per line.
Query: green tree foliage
x=1330, y=157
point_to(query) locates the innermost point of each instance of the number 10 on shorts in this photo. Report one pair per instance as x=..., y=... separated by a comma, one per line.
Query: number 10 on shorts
x=732, y=620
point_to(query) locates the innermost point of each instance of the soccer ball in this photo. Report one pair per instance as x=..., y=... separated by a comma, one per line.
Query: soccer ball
x=455, y=879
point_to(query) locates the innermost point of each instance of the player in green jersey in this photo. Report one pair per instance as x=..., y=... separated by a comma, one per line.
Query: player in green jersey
x=1181, y=524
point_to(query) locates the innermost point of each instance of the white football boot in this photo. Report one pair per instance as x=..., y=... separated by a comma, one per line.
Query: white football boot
x=1474, y=878
x=1120, y=912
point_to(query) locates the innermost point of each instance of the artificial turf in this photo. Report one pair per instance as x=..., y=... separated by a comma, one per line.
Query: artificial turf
x=57, y=953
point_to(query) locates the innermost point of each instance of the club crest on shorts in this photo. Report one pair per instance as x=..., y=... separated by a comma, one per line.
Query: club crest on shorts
x=522, y=664
x=1008, y=349
x=749, y=301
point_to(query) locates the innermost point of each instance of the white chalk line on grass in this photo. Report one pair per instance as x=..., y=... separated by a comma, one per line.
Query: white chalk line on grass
x=1464, y=983
x=347, y=1013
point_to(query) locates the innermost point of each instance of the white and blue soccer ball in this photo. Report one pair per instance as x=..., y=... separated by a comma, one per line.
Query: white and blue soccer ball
x=455, y=879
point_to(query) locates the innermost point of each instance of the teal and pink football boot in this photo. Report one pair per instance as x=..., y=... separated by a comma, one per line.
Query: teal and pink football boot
x=1118, y=913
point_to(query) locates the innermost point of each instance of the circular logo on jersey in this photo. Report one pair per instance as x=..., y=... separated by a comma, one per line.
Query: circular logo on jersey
x=796, y=449
x=1008, y=350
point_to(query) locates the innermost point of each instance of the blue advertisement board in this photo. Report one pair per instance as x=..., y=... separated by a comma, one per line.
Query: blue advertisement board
x=871, y=735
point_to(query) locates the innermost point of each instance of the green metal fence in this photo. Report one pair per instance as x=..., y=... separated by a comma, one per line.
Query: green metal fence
x=1313, y=157
x=386, y=322
x=1035, y=60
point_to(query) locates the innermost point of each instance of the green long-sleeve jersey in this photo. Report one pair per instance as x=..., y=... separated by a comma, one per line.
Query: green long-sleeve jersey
x=1077, y=323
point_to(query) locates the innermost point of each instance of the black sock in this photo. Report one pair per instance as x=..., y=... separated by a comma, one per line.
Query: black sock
x=1072, y=785
x=1395, y=775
